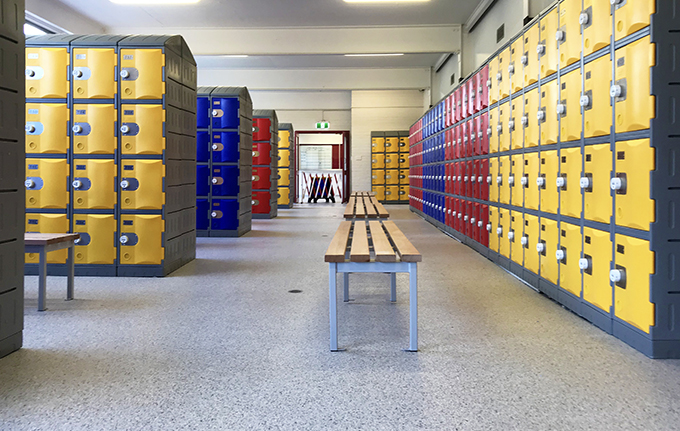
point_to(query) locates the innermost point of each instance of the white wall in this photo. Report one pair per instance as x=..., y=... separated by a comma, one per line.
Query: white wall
x=63, y=16
x=441, y=81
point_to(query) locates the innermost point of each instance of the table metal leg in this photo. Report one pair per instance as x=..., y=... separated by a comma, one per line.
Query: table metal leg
x=413, y=304
x=42, y=280
x=346, y=287
x=393, y=287
x=71, y=273
x=333, y=304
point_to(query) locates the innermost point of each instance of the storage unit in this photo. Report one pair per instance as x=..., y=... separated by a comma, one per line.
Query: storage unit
x=224, y=158
x=389, y=166
x=593, y=152
x=110, y=151
x=287, y=165
x=12, y=93
x=265, y=164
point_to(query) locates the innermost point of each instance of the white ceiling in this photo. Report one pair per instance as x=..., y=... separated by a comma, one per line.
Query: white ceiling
x=274, y=13
x=316, y=61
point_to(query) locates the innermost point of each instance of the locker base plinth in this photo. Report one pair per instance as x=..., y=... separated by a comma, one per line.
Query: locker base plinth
x=265, y=216
x=655, y=349
x=571, y=302
x=95, y=270
x=285, y=207
x=53, y=269
x=548, y=289
x=516, y=269
x=597, y=317
x=11, y=344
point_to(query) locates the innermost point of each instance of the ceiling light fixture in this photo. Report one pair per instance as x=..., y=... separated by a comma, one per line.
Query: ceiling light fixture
x=386, y=1
x=152, y=2
x=374, y=55
x=235, y=56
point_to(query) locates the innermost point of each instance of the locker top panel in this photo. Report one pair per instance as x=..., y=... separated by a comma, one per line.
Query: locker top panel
x=377, y=134
x=241, y=92
x=100, y=40
x=51, y=40
x=286, y=126
x=266, y=113
x=404, y=134
x=204, y=91
x=173, y=43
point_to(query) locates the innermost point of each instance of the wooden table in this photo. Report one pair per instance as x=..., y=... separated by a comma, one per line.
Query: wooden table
x=363, y=246
x=43, y=243
x=362, y=205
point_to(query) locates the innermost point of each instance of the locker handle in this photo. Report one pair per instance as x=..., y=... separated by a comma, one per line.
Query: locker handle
x=524, y=181
x=616, y=91
x=480, y=224
x=560, y=36
x=618, y=276
x=124, y=239
x=619, y=184
x=525, y=120
x=540, y=49
x=561, y=182
x=584, y=18
x=77, y=184
x=584, y=264
x=29, y=184
x=511, y=69
x=30, y=73
x=524, y=60
x=524, y=241
x=473, y=221
x=77, y=129
x=77, y=73
x=480, y=179
x=124, y=184
x=511, y=180
x=560, y=255
x=540, y=182
x=511, y=236
x=488, y=227
x=540, y=247
x=585, y=101
x=30, y=128
x=586, y=183
x=125, y=129
x=489, y=179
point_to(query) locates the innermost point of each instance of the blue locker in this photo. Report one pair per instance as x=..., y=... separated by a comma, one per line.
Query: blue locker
x=202, y=147
x=224, y=214
x=202, y=214
x=202, y=180
x=225, y=180
x=203, y=113
x=225, y=113
x=226, y=147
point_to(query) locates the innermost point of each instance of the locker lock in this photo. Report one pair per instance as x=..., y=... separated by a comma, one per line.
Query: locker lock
x=30, y=73
x=540, y=182
x=78, y=73
x=124, y=184
x=540, y=116
x=511, y=180
x=124, y=239
x=525, y=60
x=584, y=264
x=561, y=182
x=499, y=128
x=77, y=184
x=584, y=18
x=76, y=241
x=540, y=49
x=215, y=147
x=524, y=241
x=617, y=183
x=511, y=69
x=488, y=179
x=511, y=125
x=454, y=213
x=586, y=183
x=125, y=74
x=466, y=218
x=615, y=2
x=460, y=215
x=125, y=129
x=525, y=120
x=499, y=77
x=472, y=221
x=77, y=129
x=499, y=180
x=560, y=36
x=480, y=179
x=616, y=90
x=585, y=101
x=560, y=255
x=465, y=178
x=540, y=247
x=561, y=109
x=524, y=181
x=488, y=227
x=488, y=131
x=459, y=177
x=30, y=128
x=488, y=81
x=29, y=184
x=617, y=275
x=499, y=230
x=480, y=224
x=511, y=236
x=213, y=214
x=449, y=211
x=473, y=179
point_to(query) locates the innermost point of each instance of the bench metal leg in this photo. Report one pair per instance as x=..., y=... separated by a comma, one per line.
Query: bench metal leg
x=413, y=304
x=346, y=287
x=71, y=273
x=333, y=304
x=393, y=287
x=42, y=280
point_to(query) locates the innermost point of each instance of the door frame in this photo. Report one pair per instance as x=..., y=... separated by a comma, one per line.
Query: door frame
x=345, y=158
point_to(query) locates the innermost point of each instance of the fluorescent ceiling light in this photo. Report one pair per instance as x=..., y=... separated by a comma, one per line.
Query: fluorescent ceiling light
x=235, y=56
x=160, y=2
x=386, y=1
x=373, y=55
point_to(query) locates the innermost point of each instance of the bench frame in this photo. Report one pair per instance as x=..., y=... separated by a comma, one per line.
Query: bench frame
x=42, y=251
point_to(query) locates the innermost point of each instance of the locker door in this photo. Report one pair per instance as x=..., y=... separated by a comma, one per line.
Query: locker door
x=465, y=101
x=284, y=196
x=547, y=248
x=467, y=218
x=482, y=179
x=458, y=144
x=491, y=131
x=226, y=147
x=502, y=128
x=447, y=111
x=262, y=153
x=47, y=223
x=403, y=161
x=483, y=232
x=262, y=129
x=569, y=33
x=502, y=232
x=94, y=184
x=378, y=177
x=474, y=220
x=532, y=230
x=632, y=89
x=448, y=182
x=141, y=73
x=531, y=174
x=392, y=193
x=284, y=177
x=284, y=139
x=494, y=172
x=261, y=203
x=568, y=107
x=225, y=115
x=595, y=183
x=379, y=192
x=202, y=214
x=492, y=82
x=97, y=244
x=633, y=265
x=449, y=144
x=492, y=229
x=404, y=193
x=502, y=75
x=141, y=240
x=482, y=137
x=93, y=73
x=458, y=107
x=596, y=101
x=547, y=46
x=515, y=237
x=548, y=190
x=530, y=58
x=515, y=71
x=634, y=162
x=515, y=123
x=630, y=16
x=94, y=129
x=392, y=177
x=392, y=161
x=202, y=180
x=46, y=73
x=464, y=139
x=547, y=115
x=284, y=158
x=596, y=263
x=483, y=88
x=515, y=181
x=472, y=131
x=568, y=257
x=378, y=161
x=224, y=214
x=529, y=121
x=47, y=184
x=472, y=95
x=570, y=191
x=597, y=29
x=473, y=179
x=46, y=128
x=404, y=145
x=468, y=179
x=261, y=178
x=203, y=113
x=142, y=184
x=504, y=179
x=142, y=129
x=392, y=144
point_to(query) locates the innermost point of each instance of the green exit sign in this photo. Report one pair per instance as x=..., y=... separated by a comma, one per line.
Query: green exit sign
x=323, y=125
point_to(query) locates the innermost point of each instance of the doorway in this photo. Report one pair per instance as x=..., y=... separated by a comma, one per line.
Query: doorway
x=323, y=166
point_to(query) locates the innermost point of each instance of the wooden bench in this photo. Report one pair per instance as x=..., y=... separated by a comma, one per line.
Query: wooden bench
x=365, y=206
x=362, y=246
x=43, y=243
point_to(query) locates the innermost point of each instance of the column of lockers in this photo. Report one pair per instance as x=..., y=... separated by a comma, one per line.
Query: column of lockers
x=389, y=166
x=265, y=164
x=287, y=159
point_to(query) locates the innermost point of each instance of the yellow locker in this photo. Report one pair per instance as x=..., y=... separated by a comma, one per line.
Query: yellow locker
x=403, y=177
x=569, y=108
x=531, y=190
x=284, y=196
x=502, y=232
x=532, y=230
x=631, y=16
x=284, y=139
x=515, y=123
x=632, y=88
x=596, y=22
x=284, y=177
x=503, y=179
x=284, y=158
x=547, y=116
x=596, y=262
x=515, y=237
x=568, y=256
x=46, y=183
x=141, y=74
x=94, y=129
x=378, y=161
x=492, y=130
x=47, y=223
x=596, y=101
x=494, y=89
x=634, y=162
x=502, y=75
x=141, y=184
x=94, y=184
x=515, y=182
x=595, y=183
x=392, y=177
x=547, y=47
x=549, y=169
x=404, y=145
x=47, y=128
x=392, y=193
x=379, y=192
x=547, y=248
x=403, y=161
x=93, y=73
x=530, y=59
x=97, y=243
x=404, y=193
x=515, y=72
x=530, y=121
x=392, y=161
x=570, y=189
x=492, y=227
x=494, y=172
x=378, y=176
x=46, y=73
x=392, y=144
x=378, y=145
x=568, y=35
x=141, y=239
x=633, y=265
x=503, y=126
x=142, y=129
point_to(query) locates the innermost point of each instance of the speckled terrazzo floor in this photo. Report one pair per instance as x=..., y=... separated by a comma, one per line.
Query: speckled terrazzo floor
x=221, y=344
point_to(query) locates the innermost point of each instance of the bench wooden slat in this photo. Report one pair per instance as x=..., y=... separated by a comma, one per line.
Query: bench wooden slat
x=349, y=210
x=336, y=251
x=360, y=211
x=404, y=247
x=33, y=239
x=370, y=208
x=359, y=251
x=383, y=249
x=382, y=212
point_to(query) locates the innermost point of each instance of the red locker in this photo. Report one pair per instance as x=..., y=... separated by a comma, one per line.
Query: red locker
x=474, y=222
x=483, y=231
x=448, y=211
x=262, y=202
x=447, y=182
x=457, y=178
x=475, y=178
x=447, y=109
x=482, y=100
x=471, y=141
x=483, y=134
x=466, y=219
x=262, y=129
x=458, y=113
x=472, y=95
x=456, y=142
x=466, y=136
x=470, y=172
x=262, y=178
x=456, y=214
x=449, y=144
x=466, y=104
x=262, y=153
x=484, y=183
